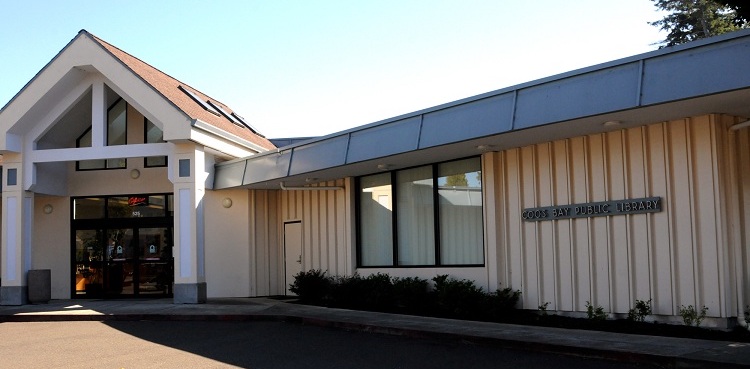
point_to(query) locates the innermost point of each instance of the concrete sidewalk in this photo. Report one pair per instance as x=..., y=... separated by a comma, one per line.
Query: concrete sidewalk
x=664, y=351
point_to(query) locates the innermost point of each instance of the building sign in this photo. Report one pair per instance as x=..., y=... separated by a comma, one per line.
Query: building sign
x=593, y=209
x=137, y=201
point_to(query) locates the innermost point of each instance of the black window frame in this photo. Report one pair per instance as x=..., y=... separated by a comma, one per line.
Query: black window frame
x=168, y=198
x=145, y=140
x=106, y=161
x=394, y=220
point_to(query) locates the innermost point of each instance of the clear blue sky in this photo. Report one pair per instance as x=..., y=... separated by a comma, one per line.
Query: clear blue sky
x=308, y=68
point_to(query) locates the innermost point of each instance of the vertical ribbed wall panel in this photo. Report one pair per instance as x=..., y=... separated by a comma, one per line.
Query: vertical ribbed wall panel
x=326, y=233
x=676, y=257
x=265, y=247
x=739, y=255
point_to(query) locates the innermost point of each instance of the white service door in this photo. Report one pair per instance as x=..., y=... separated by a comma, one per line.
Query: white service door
x=292, y=252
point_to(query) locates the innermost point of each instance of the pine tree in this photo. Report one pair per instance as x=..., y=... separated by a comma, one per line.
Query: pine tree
x=690, y=20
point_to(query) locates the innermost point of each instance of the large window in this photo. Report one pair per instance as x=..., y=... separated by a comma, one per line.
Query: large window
x=115, y=207
x=375, y=204
x=153, y=134
x=424, y=216
x=116, y=135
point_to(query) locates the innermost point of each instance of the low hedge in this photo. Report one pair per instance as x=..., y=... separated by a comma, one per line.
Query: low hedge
x=445, y=297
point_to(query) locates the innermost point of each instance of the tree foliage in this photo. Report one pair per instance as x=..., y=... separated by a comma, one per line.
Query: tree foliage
x=690, y=20
x=457, y=180
x=741, y=9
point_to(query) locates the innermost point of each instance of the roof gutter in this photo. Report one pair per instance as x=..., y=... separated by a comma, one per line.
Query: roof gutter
x=197, y=123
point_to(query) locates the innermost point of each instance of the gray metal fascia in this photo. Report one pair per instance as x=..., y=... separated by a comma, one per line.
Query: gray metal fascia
x=291, y=160
x=639, y=93
x=638, y=62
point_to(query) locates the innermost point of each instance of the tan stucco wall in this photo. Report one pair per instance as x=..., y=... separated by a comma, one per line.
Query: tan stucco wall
x=226, y=245
x=51, y=242
x=676, y=257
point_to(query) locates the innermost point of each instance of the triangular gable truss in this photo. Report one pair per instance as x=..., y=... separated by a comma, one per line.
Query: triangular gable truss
x=86, y=65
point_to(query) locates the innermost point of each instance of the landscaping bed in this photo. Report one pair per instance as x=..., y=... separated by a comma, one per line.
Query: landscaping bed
x=446, y=297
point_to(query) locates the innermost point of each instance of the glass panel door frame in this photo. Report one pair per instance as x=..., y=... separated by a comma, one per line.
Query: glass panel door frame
x=122, y=257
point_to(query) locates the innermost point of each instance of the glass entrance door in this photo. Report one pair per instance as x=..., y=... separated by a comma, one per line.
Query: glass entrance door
x=120, y=262
x=140, y=262
x=154, y=264
x=124, y=262
x=122, y=246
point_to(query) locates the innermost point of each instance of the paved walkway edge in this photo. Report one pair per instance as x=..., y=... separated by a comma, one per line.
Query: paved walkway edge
x=666, y=361
x=357, y=321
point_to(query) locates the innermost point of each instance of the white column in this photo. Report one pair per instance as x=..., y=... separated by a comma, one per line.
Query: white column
x=98, y=115
x=17, y=225
x=492, y=241
x=189, y=178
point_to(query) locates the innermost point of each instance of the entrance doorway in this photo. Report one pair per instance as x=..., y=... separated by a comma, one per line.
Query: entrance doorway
x=117, y=256
x=292, y=252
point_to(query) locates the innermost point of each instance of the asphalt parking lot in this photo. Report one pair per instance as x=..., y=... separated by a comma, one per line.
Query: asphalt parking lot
x=261, y=344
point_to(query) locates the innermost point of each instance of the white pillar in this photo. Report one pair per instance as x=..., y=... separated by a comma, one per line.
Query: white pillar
x=189, y=175
x=17, y=221
x=98, y=115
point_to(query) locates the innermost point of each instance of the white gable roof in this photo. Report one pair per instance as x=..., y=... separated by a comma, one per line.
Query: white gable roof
x=88, y=60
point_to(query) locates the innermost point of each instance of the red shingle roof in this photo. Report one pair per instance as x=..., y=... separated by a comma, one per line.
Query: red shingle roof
x=168, y=87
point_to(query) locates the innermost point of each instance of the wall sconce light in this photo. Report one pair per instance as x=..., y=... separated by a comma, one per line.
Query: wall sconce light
x=611, y=123
x=135, y=173
x=485, y=147
x=384, y=166
x=47, y=209
x=227, y=202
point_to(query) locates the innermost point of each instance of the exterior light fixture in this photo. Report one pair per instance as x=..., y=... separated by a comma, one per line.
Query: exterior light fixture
x=47, y=209
x=227, y=202
x=135, y=173
x=612, y=123
x=384, y=166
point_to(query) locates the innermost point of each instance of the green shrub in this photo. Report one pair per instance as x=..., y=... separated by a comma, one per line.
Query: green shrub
x=500, y=303
x=691, y=316
x=543, y=308
x=377, y=292
x=595, y=313
x=374, y=292
x=346, y=292
x=411, y=295
x=450, y=297
x=459, y=298
x=312, y=286
x=641, y=310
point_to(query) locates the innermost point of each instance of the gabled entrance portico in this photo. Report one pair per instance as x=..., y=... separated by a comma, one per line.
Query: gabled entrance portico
x=97, y=123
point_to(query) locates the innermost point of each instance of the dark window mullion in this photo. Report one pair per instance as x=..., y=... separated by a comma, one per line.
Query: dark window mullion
x=358, y=223
x=436, y=213
x=394, y=218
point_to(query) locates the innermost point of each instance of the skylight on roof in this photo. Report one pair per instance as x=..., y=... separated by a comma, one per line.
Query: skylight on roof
x=223, y=112
x=198, y=100
x=246, y=124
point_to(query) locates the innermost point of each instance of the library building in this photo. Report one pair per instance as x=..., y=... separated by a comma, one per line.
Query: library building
x=623, y=181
